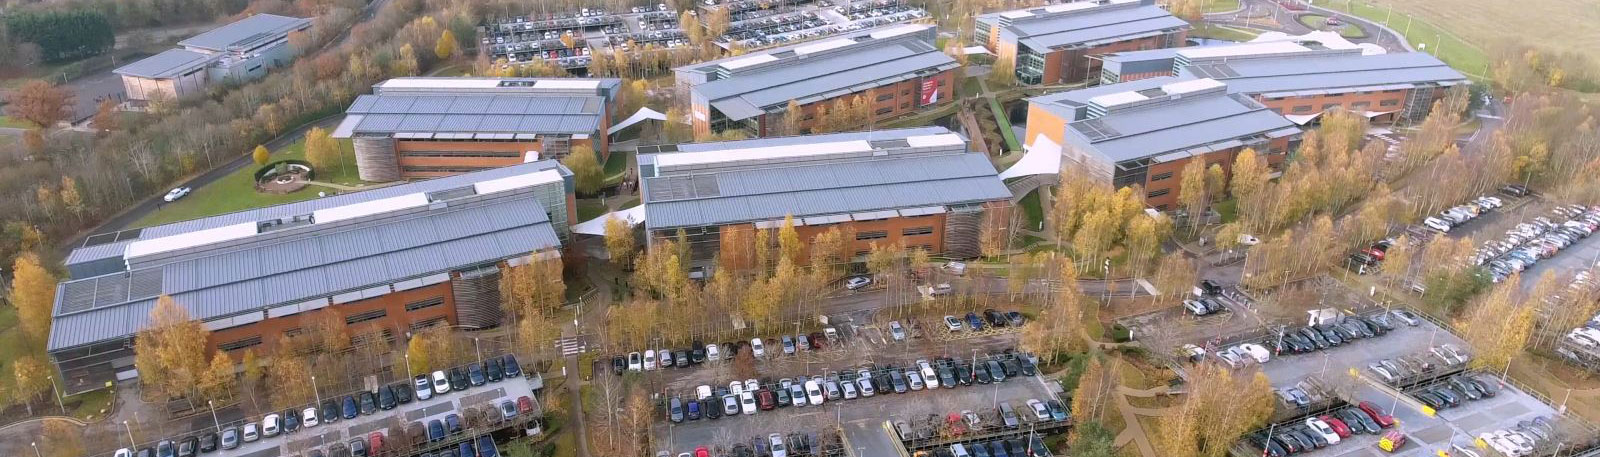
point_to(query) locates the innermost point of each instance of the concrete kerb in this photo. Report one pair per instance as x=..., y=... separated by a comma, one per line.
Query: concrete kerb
x=72, y=420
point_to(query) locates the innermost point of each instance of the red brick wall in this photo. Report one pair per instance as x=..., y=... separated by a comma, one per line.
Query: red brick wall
x=397, y=319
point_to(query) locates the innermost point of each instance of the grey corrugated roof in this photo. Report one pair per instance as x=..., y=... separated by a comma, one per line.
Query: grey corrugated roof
x=1093, y=25
x=499, y=113
x=1323, y=71
x=1177, y=125
x=316, y=263
x=1147, y=54
x=246, y=33
x=746, y=93
x=167, y=64
x=749, y=195
x=307, y=207
x=873, y=135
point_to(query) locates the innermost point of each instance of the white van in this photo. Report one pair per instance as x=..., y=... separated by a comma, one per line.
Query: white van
x=959, y=450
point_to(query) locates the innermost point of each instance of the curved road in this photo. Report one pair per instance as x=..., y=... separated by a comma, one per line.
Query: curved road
x=133, y=213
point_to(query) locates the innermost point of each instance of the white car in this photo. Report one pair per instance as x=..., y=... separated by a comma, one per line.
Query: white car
x=1500, y=444
x=757, y=349
x=712, y=353
x=857, y=282
x=1436, y=224
x=928, y=375
x=814, y=393
x=914, y=379
x=664, y=358
x=951, y=323
x=1255, y=351
x=747, y=403
x=251, y=434
x=635, y=361
x=1521, y=442
x=1322, y=428
x=1040, y=412
x=423, y=387
x=1457, y=450
x=124, y=452
x=736, y=387
x=269, y=425
x=776, y=444
x=308, y=417
x=175, y=194
x=650, y=360
x=703, y=392
x=751, y=385
x=896, y=331
x=441, y=384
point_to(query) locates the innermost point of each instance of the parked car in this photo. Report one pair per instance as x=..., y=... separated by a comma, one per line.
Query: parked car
x=175, y=194
x=857, y=282
x=896, y=331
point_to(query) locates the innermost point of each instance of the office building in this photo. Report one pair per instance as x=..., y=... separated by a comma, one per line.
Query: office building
x=411, y=128
x=236, y=52
x=1061, y=43
x=387, y=262
x=897, y=70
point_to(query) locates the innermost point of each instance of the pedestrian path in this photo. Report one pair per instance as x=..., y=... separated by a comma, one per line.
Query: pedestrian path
x=571, y=345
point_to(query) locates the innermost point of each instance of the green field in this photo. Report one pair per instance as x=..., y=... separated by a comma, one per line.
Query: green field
x=1320, y=22
x=1554, y=25
x=1218, y=6
x=590, y=208
x=1032, y=209
x=1441, y=42
x=1215, y=32
x=236, y=192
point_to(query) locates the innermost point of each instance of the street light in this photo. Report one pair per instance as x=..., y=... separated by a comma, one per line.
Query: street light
x=314, y=391
x=214, y=419
x=131, y=444
x=56, y=393
x=36, y=449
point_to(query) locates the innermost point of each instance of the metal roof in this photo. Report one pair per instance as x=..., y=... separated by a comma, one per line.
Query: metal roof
x=853, y=185
x=474, y=113
x=289, y=210
x=314, y=261
x=167, y=64
x=246, y=33
x=870, y=135
x=1312, y=71
x=843, y=68
x=1092, y=25
x=1179, y=124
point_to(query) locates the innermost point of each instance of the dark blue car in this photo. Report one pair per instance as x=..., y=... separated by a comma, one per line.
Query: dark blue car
x=512, y=370
x=486, y=447
x=974, y=322
x=466, y=448
x=351, y=409
x=435, y=430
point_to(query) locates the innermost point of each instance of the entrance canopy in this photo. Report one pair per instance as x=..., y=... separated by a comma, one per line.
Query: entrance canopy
x=1044, y=157
x=597, y=226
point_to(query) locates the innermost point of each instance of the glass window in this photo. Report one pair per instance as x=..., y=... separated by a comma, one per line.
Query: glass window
x=917, y=231
x=1158, y=193
x=871, y=235
x=365, y=316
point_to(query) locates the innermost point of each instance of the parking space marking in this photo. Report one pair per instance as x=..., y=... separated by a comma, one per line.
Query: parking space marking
x=413, y=415
x=362, y=429
x=332, y=436
x=482, y=397
x=1434, y=434
x=268, y=452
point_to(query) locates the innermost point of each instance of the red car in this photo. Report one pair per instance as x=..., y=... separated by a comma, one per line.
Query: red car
x=702, y=452
x=1383, y=420
x=375, y=443
x=1337, y=425
x=765, y=400
x=524, y=405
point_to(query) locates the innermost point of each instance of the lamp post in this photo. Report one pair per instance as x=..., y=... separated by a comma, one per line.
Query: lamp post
x=36, y=449
x=214, y=419
x=56, y=393
x=476, y=349
x=316, y=393
x=408, y=364
x=131, y=443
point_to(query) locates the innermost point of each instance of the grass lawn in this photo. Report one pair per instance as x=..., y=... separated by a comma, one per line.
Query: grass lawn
x=1218, y=6
x=1220, y=33
x=590, y=208
x=629, y=203
x=10, y=333
x=1005, y=125
x=1320, y=22
x=11, y=122
x=1228, y=209
x=616, y=165
x=1483, y=22
x=87, y=406
x=1032, y=209
x=236, y=192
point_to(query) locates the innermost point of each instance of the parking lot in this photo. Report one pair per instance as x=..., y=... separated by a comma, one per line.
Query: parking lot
x=862, y=414
x=322, y=437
